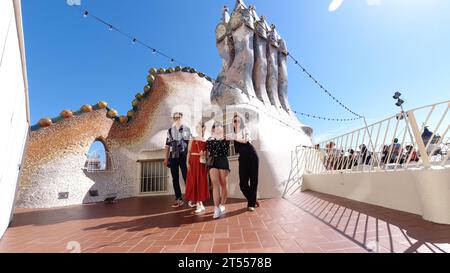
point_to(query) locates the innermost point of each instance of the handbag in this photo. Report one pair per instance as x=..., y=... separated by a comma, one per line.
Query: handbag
x=210, y=159
x=202, y=157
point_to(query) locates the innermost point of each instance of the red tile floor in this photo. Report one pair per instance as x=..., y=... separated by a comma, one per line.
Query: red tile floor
x=305, y=222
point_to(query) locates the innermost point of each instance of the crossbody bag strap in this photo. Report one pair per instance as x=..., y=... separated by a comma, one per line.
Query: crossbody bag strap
x=170, y=134
x=215, y=151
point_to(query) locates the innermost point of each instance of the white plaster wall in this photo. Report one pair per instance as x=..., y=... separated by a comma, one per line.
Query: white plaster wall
x=13, y=107
x=422, y=192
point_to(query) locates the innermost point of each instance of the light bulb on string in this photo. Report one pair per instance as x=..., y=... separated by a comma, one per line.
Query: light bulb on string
x=85, y=13
x=171, y=61
x=153, y=51
x=134, y=41
x=110, y=27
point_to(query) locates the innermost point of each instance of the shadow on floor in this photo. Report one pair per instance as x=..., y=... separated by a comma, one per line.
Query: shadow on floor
x=154, y=209
x=372, y=227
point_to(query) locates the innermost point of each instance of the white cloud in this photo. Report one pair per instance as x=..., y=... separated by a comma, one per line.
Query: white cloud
x=74, y=2
x=336, y=4
x=373, y=2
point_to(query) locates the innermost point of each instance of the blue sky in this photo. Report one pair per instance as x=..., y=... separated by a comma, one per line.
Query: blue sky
x=362, y=52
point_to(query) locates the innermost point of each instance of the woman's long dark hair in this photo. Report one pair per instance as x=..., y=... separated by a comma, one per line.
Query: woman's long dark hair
x=242, y=122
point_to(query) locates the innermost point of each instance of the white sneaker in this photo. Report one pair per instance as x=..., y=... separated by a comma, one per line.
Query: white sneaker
x=217, y=213
x=200, y=209
x=222, y=208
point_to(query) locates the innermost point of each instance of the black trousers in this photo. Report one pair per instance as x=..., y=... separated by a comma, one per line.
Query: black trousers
x=248, y=178
x=175, y=164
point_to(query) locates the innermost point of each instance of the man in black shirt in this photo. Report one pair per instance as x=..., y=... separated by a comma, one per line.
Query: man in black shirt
x=177, y=141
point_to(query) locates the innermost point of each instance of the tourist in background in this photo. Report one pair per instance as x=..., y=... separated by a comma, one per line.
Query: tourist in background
x=395, y=151
x=177, y=141
x=330, y=155
x=365, y=155
x=411, y=154
x=384, y=154
x=197, y=190
x=219, y=169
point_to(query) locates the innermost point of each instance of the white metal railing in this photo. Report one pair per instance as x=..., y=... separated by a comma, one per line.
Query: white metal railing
x=394, y=143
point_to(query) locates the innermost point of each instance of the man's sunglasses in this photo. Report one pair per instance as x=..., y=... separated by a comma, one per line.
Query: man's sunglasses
x=176, y=118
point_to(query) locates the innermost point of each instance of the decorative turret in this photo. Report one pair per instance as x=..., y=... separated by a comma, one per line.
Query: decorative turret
x=253, y=81
x=240, y=5
x=283, y=46
x=254, y=61
x=240, y=16
x=261, y=27
x=225, y=15
x=273, y=36
x=222, y=29
x=252, y=10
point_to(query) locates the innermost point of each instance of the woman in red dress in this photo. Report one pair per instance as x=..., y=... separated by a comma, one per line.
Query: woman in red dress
x=197, y=189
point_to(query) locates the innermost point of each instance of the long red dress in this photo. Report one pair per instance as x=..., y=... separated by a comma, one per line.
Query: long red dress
x=196, y=181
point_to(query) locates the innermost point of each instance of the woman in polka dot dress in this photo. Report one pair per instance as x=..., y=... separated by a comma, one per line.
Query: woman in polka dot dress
x=217, y=146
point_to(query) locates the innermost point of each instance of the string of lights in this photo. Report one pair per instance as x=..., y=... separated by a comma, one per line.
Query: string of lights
x=172, y=60
x=294, y=111
x=304, y=70
x=133, y=39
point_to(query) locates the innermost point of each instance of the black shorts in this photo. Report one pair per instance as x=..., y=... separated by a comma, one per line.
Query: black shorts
x=221, y=163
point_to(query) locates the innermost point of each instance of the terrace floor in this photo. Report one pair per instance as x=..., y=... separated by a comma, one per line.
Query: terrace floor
x=305, y=222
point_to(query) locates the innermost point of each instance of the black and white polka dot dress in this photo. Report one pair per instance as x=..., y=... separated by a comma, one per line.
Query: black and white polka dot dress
x=219, y=148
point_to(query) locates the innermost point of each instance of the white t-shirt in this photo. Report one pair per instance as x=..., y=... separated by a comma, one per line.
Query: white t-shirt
x=242, y=134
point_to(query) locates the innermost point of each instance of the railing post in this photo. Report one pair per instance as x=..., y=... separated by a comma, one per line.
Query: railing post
x=370, y=138
x=290, y=173
x=417, y=135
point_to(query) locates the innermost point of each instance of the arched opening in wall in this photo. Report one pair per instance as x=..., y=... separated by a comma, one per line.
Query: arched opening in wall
x=98, y=157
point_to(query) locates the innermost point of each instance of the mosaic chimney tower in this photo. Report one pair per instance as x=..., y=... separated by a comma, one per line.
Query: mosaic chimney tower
x=253, y=82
